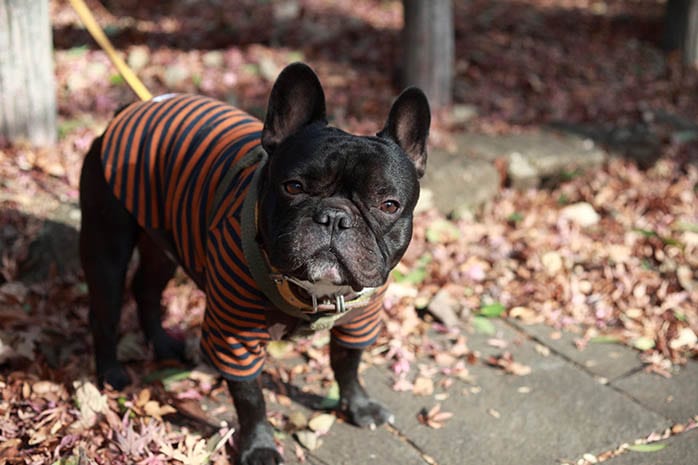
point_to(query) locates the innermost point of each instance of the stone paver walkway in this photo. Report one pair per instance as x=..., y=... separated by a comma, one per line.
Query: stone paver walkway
x=573, y=404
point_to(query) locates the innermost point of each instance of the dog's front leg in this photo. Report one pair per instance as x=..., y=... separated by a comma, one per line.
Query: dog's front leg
x=256, y=438
x=353, y=399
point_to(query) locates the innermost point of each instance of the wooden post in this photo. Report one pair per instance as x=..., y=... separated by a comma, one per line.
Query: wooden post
x=690, y=42
x=27, y=89
x=428, y=39
x=681, y=29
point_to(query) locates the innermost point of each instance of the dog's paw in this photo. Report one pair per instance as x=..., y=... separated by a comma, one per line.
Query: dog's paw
x=367, y=413
x=261, y=456
x=257, y=446
x=115, y=376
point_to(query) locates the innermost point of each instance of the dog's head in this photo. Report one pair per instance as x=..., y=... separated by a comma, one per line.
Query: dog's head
x=336, y=209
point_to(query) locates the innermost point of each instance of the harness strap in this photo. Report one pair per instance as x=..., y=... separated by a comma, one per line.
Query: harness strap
x=253, y=254
x=256, y=155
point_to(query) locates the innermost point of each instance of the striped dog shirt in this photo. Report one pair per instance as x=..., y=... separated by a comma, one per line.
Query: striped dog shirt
x=164, y=159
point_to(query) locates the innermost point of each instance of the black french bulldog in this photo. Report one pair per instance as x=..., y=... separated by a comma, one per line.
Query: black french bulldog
x=291, y=226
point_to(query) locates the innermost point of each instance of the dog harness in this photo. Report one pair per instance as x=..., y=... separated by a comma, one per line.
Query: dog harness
x=186, y=167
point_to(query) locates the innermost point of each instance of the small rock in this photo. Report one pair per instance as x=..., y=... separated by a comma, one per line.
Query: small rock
x=445, y=307
x=213, y=59
x=174, y=75
x=581, y=213
x=522, y=174
x=138, y=58
x=552, y=262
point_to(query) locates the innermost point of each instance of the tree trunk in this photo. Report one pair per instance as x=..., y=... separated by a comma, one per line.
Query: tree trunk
x=428, y=40
x=690, y=42
x=681, y=29
x=676, y=12
x=27, y=89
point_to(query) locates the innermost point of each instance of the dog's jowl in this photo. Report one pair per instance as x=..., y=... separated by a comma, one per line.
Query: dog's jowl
x=289, y=226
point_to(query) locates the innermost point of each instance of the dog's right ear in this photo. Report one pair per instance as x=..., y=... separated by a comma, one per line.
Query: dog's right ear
x=296, y=100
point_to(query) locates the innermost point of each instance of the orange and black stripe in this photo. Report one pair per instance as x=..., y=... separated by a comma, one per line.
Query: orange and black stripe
x=164, y=159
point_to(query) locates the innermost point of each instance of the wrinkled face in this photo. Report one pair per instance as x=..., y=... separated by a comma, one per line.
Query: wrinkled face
x=337, y=208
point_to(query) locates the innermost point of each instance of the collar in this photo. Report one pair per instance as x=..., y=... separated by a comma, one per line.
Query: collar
x=336, y=304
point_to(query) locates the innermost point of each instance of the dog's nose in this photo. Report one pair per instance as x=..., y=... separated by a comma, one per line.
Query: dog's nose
x=334, y=218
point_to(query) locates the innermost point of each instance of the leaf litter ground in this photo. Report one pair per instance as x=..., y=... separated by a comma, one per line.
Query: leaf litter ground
x=622, y=271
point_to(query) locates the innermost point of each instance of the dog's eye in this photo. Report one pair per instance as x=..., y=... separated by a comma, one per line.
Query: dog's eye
x=390, y=206
x=293, y=187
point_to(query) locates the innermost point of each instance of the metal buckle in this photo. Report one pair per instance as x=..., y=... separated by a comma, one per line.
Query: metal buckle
x=339, y=304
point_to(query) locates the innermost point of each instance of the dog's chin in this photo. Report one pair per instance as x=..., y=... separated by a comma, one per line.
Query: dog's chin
x=326, y=276
x=328, y=271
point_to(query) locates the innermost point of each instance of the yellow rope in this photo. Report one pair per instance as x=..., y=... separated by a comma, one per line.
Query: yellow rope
x=98, y=35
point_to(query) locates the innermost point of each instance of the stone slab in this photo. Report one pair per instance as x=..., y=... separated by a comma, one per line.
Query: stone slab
x=679, y=450
x=457, y=181
x=605, y=360
x=675, y=397
x=556, y=413
x=536, y=155
x=467, y=178
x=348, y=445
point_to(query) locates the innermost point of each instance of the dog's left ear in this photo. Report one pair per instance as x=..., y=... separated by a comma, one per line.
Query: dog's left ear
x=408, y=125
x=296, y=100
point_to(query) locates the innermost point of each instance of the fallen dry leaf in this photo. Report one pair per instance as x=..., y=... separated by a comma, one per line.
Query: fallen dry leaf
x=434, y=418
x=423, y=386
x=322, y=423
x=308, y=439
x=90, y=402
x=507, y=363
